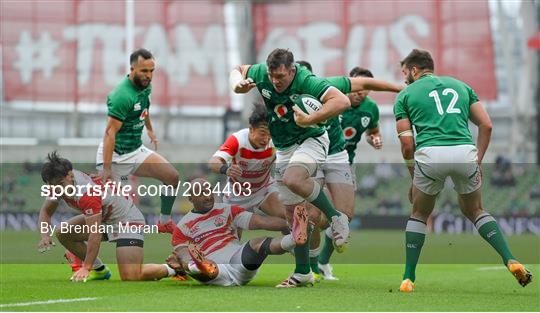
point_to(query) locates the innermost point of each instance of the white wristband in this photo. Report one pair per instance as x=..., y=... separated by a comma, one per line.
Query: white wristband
x=406, y=133
x=235, y=77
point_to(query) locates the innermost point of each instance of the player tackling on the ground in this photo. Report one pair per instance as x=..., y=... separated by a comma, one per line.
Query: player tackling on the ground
x=206, y=245
x=439, y=108
x=97, y=208
x=247, y=157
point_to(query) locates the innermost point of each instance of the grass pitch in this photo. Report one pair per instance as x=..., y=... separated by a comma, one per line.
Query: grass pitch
x=370, y=272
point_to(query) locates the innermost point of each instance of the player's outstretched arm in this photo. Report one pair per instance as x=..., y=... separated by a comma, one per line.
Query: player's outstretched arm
x=480, y=117
x=113, y=126
x=368, y=83
x=238, y=82
x=267, y=223
x=45, y=214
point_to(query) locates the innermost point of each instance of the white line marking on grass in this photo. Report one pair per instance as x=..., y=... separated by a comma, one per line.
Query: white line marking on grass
x=46, y=302
x=491, y=268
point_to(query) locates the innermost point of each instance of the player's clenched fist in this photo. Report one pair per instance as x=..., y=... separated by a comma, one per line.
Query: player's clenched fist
x=375, y=141
x=234, y=171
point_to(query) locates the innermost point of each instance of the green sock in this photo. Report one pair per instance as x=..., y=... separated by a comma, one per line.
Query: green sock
x=490, y=231
x=301, y=257
x=415, y=235
x=167, y=203
x=327, y=249
x=314, y=260
x=319, y=199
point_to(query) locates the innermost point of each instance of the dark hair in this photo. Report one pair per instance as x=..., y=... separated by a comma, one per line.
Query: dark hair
x=55, y=168
x=145, y=54
x=360, y=71
x=420, y=59
x=279, y=57
x=259, y=116
x=305, y=64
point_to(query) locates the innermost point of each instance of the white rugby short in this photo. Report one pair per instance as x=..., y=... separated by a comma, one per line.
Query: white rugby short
x=337, y=169
x=434, y=164
x=125, y=164
x=233, y=273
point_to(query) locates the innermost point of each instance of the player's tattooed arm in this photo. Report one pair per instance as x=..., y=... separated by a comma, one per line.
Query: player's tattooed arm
x=44, y=225
x=480, y=118
x=238, y=81
x=368, y=83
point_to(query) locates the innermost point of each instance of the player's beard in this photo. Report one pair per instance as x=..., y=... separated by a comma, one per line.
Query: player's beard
x=139, y=82
x=410, y=79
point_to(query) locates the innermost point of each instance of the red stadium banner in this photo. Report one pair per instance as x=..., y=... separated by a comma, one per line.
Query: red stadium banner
x=335, y=36
x=74, y=51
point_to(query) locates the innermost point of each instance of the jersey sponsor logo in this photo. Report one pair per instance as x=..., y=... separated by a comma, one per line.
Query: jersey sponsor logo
x=143, y=115
x=349, y=132
x=365, y=121
x=219, y=221
x=266, y=93
x=281, y=110
x=137, y=106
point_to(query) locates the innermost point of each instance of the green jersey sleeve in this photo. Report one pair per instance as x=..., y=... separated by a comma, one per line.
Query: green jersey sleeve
x=256, y=72
x=473, y=98
x=315, y=86
x=342, y=83
x=119, y=106
x=400, y=109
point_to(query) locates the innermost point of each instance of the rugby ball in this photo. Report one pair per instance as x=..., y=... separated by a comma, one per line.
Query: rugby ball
x=308, y=104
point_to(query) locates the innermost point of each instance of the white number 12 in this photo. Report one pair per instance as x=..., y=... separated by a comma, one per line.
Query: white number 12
x=450, y=108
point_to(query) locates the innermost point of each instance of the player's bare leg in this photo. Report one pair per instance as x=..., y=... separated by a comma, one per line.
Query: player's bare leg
x=156, y=166
x=415, y=235
x=273, y=206
x=471, y=206
x=130, y=259
x=298, y=180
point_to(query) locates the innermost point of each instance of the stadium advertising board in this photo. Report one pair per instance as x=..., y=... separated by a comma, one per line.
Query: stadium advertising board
x=335, y=36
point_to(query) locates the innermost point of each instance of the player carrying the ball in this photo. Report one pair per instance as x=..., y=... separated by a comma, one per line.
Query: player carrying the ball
x=302, y=144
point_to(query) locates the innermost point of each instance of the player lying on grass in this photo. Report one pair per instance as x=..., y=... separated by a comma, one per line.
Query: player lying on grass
x=206, y=244
x=112, y=210
x=440, y=109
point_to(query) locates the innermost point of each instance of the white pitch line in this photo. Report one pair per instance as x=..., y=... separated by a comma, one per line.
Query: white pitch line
x=46, y=302
x=491, y=268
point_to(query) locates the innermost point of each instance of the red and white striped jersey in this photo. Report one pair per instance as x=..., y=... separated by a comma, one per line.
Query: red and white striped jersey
x=89, y=201
x=255, y=163
x=215, y=231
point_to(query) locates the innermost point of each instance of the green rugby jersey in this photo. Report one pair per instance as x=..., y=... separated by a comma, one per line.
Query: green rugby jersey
x=130, y=105
x=356, y=120
x=283, y=130
x=335, y=132
x=438, y=107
